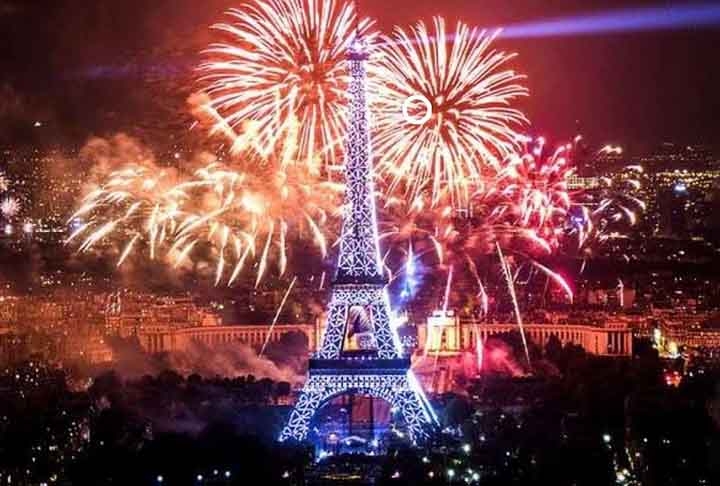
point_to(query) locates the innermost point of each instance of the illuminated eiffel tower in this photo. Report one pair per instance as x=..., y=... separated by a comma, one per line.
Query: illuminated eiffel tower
x=360, y=351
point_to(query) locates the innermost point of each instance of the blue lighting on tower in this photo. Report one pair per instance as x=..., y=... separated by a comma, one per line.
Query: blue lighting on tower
x=376, y=366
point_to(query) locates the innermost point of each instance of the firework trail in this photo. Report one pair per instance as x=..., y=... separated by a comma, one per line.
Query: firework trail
x=482, y=294
x=282, y=60
x=511, y=288
x=609, y=210
x=522, y=205
x=448, y=285
x=557, y=278
x=479, y=345
x=277, y=315
x=468, y=90
x=532, y=199
x=415, y=227
x=10, y=207
x=139, y=202
x=250, y=216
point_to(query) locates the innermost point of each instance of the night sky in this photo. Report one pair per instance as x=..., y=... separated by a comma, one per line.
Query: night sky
x=99, y=66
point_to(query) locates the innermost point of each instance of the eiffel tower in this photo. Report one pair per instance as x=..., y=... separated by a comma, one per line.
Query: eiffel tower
x=360, y=351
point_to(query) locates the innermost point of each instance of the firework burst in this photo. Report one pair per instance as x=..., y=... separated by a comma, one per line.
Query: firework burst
x=469, y=93
x=523, y=205
x=533, y=193
x=523, y=212
x=415, y=229
x=609, y=210
x=140, y=203
x=282, y=60
x=244, y=217
x=9, y=207
x=252, y=217
x=619, y=198
x=520, y=206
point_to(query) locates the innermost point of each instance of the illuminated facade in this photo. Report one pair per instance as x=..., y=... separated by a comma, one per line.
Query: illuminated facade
x=696, y=338
x=159, y=339
x=444, y=335
x=360, y=351
x=448, y=335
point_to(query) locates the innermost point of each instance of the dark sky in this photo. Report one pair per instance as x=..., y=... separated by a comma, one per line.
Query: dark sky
x=98, y=66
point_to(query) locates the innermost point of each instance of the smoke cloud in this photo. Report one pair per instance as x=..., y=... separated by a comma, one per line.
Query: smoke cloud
x=285, y=360
x=230, y=360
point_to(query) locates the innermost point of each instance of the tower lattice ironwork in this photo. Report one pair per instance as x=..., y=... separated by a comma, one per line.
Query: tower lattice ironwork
x=360, y=351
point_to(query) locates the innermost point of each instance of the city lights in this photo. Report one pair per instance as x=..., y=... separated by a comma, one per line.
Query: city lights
x=320, y=242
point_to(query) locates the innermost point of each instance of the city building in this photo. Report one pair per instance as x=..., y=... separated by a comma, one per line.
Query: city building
x=448, y=335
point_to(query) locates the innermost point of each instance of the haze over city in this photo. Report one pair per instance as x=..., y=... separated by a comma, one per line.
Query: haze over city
x=333, y=242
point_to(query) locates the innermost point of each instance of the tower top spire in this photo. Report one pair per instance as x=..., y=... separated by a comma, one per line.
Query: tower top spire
x=359, y=260
x=368, y=357
x=358, y=48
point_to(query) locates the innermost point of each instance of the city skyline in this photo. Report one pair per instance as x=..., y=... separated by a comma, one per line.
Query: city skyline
x=247, y=242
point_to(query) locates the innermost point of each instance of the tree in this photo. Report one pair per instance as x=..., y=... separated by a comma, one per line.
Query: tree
x=282, y=389
x=170, y=379
x=458, y=410
x=106, y=385
x=553, y=349
x=713, y=407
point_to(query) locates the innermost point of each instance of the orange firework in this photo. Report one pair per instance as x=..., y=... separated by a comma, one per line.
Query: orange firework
x=248, y=216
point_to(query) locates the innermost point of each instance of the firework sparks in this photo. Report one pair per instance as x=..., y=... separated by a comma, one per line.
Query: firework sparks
x=268, y=336
x=246, y=215
x=415, y=228
x=619, y=199
x=10, y=207
x=256, y=97
x=557, y=278
x=523, y=206
x=468, y=91
x=511, y=288
x=4, y=182
x=534, y=189
x=282, y=60
x=611, y=209
x=244, y=218
x=138, y=201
